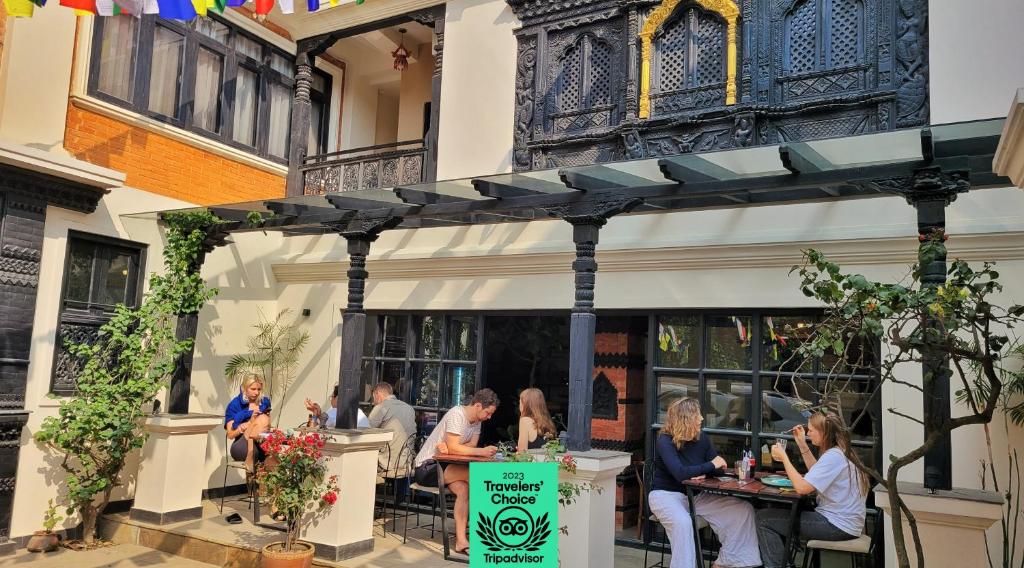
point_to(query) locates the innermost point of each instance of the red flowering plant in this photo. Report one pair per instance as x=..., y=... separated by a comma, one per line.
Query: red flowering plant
x=294, y=479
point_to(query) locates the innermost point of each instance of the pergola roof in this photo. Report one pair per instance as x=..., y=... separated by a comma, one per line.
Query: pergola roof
x=822, y=170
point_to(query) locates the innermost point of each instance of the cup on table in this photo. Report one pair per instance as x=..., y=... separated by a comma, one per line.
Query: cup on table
x=742, y=469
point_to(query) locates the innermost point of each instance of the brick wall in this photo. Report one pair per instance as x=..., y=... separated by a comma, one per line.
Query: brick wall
x=165, y=166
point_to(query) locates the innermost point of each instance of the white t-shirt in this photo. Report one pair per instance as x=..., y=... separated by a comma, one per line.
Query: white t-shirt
x=837, y=482
x=454, y=422
x=361, y=420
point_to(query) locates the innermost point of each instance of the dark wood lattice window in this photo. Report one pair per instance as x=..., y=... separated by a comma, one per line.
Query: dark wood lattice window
x=99, y=273
x=585, y=78
x=690, y=52
x=824, y=34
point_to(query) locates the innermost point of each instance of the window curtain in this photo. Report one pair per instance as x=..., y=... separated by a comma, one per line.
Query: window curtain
x=246, y=87
x=280, y=115
x=165, y=74
x=316, y=113
x=206, y=113
x=116, y=49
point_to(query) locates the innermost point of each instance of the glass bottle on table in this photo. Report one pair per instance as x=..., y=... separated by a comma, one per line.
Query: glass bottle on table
x=766, y=456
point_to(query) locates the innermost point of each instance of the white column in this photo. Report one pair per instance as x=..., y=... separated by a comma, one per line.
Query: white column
x=347, y=529
x=952, y=524
x=591, y=518
x=168, y=489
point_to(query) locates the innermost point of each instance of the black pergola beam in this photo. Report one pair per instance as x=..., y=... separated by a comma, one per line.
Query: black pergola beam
x=515, y=186
x=595, y=178
x=927, y=145
x=346, y=203
x=800, y=158
x=420, y=197
x=690, y=168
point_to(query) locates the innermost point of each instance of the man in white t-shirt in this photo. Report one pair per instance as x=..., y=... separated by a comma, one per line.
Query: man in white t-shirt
x=320, y=419
x=457, y=433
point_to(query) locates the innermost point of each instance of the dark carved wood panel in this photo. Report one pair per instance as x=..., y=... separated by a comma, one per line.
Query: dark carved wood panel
x=806, y=69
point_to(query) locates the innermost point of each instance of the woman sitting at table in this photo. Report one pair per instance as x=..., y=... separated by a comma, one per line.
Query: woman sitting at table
x=535, y=424
x=682, y=453
x=246, y=417
x=841, y=488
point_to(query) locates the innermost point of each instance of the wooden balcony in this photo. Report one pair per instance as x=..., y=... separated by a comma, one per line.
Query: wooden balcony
x=372, y=167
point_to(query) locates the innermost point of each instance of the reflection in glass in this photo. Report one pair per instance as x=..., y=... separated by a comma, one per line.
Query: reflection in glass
x=728, y=404
x=671, y=389
x=80, y=271
x=462, y=338
x=780, y=339
x=730, y=447
x=729, y=342
x=430, y=337
x=679, y=342
x=426, y=380
x=117, y=280
x=425, y=422
x=370, y=337
x=784, y=402
x=851, y=398
x=460, y=383
x=395, y=331
x=860, y=359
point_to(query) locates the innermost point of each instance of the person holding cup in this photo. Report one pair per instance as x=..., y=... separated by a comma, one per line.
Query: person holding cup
x=683, y=452
x=841, y=486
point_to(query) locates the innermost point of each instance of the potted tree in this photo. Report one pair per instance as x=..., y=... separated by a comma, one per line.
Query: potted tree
x=294, y=477
x=46, y=540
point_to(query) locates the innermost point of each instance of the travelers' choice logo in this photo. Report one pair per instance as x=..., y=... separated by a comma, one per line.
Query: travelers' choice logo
x=513, y=507
x=513, y=528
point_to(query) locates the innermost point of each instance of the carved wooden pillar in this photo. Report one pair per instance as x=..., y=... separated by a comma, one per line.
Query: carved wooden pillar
x=187, y=328
x=930, y=190
x=301, y=116
x=587, y=220
x=430, y=160
x=359, y=234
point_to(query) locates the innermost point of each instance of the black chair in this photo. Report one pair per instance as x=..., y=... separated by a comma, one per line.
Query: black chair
x=650, y=522
x=398, y=476
x=251, y=487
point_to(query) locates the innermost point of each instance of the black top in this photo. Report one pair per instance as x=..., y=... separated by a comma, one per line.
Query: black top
x=537, y=442
x=673, y=466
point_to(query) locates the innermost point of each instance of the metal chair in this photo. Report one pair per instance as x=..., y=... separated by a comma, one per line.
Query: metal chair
x=650, y=521
x=861, y=547
x=399, y=471
x=382, y=481
x=251, y=487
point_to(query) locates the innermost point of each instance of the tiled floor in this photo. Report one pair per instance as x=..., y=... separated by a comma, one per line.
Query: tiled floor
x=118, y=556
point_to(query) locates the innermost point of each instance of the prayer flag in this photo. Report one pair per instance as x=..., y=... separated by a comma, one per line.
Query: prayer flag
x=87, y=6
x=287, y=6
x=200, y=7
x=263, y=7
x=235, y=3
x=19, y=8
x=133, y=7
x=176, y=9
x=312, y=5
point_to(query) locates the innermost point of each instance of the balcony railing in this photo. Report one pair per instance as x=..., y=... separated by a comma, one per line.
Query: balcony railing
x=373, y=167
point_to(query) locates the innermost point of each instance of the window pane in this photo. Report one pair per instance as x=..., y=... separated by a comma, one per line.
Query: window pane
x=115, y=63
x=679, y=342
x=206, y=114
x=852, y=399
x=282, y=65
x=784, y=401
x=729, y=342
x=316, y=114
x=730, y=447
x=430, y=337
x=367, y=378
x=370, y=337
x=671, y=389
x=728, y=403
x=460, y=384
x=395, y=331
x=780, y=339
x=117, y=280
x=246, y=97
x=462, y=338
x=859, y=358
x=80, y=271
x=248, y=47
x=426, y=379
x=165, y=74
x=212, y=29
x=425, y=422
x=391, y=372
x=280, y=114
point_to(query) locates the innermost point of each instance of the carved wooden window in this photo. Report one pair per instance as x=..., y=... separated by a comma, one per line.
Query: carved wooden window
x=691, y=51
x=823, y=35
x=99, y=273
x=584, y=81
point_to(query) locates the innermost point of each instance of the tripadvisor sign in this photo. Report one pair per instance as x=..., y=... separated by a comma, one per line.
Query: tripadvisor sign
x=515, y=514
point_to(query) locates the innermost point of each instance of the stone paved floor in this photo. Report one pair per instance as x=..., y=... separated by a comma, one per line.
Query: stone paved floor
x=118, y=556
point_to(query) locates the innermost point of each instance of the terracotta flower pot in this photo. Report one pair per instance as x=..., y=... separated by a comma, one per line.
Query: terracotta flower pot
x=42, y=541
x=274, y=556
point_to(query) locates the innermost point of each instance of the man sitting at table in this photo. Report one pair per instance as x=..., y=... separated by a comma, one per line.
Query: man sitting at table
x=459, y=432
x=320, y=419
x=397, y=417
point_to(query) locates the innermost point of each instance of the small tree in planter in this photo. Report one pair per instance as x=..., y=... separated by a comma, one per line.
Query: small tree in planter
x=97, y=428
x=295, y=480
x=46, y=540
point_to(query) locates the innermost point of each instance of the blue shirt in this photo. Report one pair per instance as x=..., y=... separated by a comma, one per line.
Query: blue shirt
x=672, y=466
x=238, y=410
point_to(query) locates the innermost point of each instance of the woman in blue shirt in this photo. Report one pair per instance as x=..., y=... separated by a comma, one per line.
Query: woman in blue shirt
x=682, y=452
x=247, y=416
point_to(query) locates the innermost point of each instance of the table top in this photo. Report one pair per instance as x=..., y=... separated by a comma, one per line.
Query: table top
x=457, y=458
x=750, y=487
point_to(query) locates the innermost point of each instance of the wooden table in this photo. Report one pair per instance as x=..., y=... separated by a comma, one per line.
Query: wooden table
x=443, y=460
x=750, y=489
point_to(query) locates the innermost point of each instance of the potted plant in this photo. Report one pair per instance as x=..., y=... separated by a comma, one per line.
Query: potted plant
x=46, y=540
x=294, y=477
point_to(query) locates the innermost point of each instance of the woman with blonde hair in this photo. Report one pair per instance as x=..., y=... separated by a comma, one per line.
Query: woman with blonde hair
x=246, y=417
x=535, y=424
x=682, y=452
x=842, y=488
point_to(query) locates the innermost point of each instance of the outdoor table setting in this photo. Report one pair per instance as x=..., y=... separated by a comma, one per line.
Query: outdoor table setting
x=449, y=459
x=765, y=486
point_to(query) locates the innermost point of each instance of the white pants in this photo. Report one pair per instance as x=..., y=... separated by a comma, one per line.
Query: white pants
x=732, y=520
